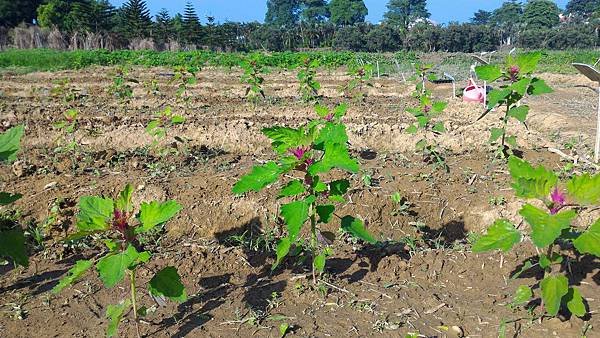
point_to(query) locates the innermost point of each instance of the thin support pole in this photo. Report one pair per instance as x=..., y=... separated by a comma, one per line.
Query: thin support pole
x=597, y=153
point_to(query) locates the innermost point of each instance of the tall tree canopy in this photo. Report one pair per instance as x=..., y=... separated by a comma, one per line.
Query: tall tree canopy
x=481, y=17
x=13, y=12
x=282, y=13
x=191, y=24
x=314, y=11
x=508, y=18
x=136, y=19
x=348, y=12
x=583, y=7
x=402, y=13
x=541, y=14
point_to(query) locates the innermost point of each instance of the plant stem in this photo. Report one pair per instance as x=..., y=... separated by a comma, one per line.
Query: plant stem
x=505, y=123
x=133, y=302
x=313, y=240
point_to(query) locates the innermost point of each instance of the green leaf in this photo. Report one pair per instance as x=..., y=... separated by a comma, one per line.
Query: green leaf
x=177, y=119
x=439, y=127
x=295, y=214
x=339, y=187
x=496, y=133
x=585, y=189
x=154, y=213
x=539, y=87
x=412, y=129
x=530, y=182
x=526, y=266
x=12, y=244
x=336, y=156
x=8, y=198
x=575, y=302
x=283, y=248
x=123, y=203
x=322, y=111
x=332, y=133
x=522, y=295
x=260, y=177
x=10, y=143
x=293, y=188
x=589, y=241
x=115, y=313
x=94, y=213
x=325, y=213
x=284, y=138
x=511, y=141
x=528, y=62
x=521, y=86
x=167, y=283
x=356, y=228
x=554, y=288
x=112, y=268
x=501, y=235
x=488, y=73
x=519, y=113
x=340, y=110
x=546, y=228
x=496, y=96
x=81, y=267
x=319, y=262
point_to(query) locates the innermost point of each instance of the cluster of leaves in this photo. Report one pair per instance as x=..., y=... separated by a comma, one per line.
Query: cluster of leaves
x=309, y=86
x=253, y=80
x=552, y=231
x=306, y=155
x=426, y=113
x=159, y=127
x=360, y=77
x=515, y=79
x=122, y=86
x=185, y=77
x=424, y=74
x=68, y=126
x=62, y=88
x=12, y=240
x=111, y=220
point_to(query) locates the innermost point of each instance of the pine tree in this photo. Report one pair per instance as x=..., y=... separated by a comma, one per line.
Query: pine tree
x=136, y=17
x=191, y=24
x=102, y=16
x=282, y=13
x=164, y=28
x=402, y=13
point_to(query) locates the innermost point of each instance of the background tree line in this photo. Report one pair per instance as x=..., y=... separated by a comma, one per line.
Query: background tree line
x=303, y=24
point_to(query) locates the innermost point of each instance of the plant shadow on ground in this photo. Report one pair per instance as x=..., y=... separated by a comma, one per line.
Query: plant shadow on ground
x=40, y=283
x=257, y=289
x=578, y=270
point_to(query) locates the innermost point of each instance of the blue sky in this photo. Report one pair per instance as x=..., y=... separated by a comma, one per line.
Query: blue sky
x=441, y=11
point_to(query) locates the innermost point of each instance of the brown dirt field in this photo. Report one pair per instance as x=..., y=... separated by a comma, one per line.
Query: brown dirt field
x=379, y=291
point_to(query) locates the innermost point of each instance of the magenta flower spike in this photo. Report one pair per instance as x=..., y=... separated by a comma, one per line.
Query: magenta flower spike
x=329, y=117
x=558, y=200
x=299, y=152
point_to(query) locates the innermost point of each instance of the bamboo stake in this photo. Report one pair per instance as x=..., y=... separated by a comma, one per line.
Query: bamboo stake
x=597, y=153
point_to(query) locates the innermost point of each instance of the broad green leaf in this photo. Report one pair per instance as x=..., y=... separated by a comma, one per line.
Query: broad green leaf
x=521, y=86
x=325, y=212
x=496, y=96
x=260, y=177
x=339, y=187
x=511, y=141
x=528, y=62
x=331, y=133
x=336, y=156
x=356, y=228
x=295, y=214
x=488, y=73
x=283, y=248
x=526, y=266
x=585, y=189
x=115, y=314
x=167, y=283
x=95, y=213
x=151, y=127
x=554, y=288
x=412, y=129
x=340, y=110
x=530, y=182
x=519, y=113
x=439, y=127
x=319, y=262
x=495, y=134
x=439, y=107
x=12, y=244
x=112, y=268
x=81, y=267
x=123, y=203
x=589, y=241
x=546, y=228
x=8, y=198
x=575, y=302
x=284, y=138
x=501, y=235
x=10, y=142
x=539, y=87
x=293, y=188
x=154, y=213
x=177, y=119
x=322, y=111
x=522, y=295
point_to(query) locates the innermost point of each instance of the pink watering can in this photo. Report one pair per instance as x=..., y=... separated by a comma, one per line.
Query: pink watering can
x=474, y=93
